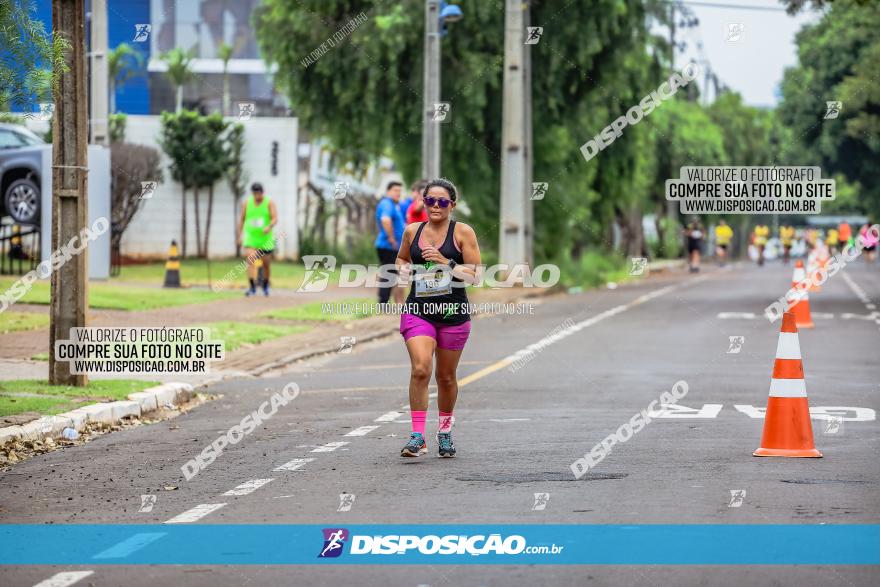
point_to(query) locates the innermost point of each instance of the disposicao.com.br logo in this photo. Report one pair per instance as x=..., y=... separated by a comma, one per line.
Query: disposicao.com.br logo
x=431, y=544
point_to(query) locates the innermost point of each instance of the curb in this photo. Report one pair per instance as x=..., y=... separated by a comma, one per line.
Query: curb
x=137, y=404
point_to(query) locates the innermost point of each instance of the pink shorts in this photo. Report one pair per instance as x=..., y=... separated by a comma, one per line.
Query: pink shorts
x=450, y=337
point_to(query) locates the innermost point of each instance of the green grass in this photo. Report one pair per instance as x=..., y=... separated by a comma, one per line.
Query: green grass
x=18, y=321
x=315, y=311
x=284, y=274
x=40, y=357
x=112, y=296
x=235, y=334
x=63, y=395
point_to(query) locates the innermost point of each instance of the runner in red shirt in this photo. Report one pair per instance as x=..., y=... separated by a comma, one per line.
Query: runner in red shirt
x=417, y=211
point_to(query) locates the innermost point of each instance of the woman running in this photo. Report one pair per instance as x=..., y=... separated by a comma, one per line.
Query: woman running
x=440, y=255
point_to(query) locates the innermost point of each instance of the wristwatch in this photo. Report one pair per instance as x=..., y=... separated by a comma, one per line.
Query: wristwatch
x=452, y=264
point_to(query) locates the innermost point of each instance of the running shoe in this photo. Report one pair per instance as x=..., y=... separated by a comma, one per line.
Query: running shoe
x=445, y=446
x=415, y=447
x=266, y=290
x=250, y=292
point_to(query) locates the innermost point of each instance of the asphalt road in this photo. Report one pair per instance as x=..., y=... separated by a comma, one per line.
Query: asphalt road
x=517, y=434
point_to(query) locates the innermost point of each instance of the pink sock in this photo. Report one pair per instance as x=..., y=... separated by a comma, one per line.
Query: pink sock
x=445, y=422
x=418, y=421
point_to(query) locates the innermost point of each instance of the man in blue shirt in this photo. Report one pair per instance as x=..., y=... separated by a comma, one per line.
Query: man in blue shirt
x=390, y=225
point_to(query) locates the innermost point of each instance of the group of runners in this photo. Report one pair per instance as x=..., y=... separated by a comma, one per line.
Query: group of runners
x=834, y=238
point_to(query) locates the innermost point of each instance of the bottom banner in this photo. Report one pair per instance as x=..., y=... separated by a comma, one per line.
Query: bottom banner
x=250, y=544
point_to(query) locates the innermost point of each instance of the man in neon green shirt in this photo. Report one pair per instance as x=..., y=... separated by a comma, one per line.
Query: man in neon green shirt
x=254, y=232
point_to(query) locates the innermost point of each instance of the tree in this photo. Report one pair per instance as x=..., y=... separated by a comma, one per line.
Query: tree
x=224, y=52
x=837, y=62
x=586, y=72
x=209, y=159
x=179, y=72
x=129, y=166
x=30, y=59
x=236, y=177
x=176, y=139
x=123, y=63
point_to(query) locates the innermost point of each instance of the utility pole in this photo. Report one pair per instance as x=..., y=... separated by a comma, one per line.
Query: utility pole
x=99, y=120
x=431, y=127
x=69, y=185
x=516, y=158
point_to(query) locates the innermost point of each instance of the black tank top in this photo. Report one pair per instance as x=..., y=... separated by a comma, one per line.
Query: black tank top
x=438, y=298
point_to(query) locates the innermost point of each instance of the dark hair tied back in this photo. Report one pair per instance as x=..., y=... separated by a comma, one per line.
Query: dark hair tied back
x=444, y=183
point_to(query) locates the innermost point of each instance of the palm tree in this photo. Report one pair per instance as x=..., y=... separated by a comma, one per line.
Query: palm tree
x=224, y=52
x=179, y=72
x=122, y=65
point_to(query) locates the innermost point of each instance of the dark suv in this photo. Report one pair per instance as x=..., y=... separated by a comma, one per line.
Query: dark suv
x=20, y=164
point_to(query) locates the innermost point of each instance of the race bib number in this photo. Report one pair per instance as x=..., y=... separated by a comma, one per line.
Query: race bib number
x=696, y=234
x=258, y=222
x=432, y=282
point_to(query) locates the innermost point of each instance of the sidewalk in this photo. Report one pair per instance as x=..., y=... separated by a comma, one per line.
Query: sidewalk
x=18, y=348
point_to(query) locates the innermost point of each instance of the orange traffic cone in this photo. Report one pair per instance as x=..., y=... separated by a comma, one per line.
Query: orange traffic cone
x=814, y=263
x=788, y=431
x=801, y=308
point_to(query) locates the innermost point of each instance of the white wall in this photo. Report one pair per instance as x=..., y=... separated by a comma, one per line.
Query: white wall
x=157, y=223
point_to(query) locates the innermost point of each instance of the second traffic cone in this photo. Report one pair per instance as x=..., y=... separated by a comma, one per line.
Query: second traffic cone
x=814, y=263
x=801, y=308
x=788, y=431
x=172, y=267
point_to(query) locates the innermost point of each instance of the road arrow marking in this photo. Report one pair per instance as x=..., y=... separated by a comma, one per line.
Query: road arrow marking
x=680, y=411
x=845, y=414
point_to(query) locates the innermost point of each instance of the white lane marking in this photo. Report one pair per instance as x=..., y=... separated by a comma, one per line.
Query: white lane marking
x=871, y=316
x=504, y=420
x=819, y=412
x=388, y=417
x=130, y=545
x=362, y=431
x=64, y=578
x=330, y=446
x=197, y=513
x=751, y=316
x=282, y=496
x=680, y=411
x=871, y=306
x=248, y=487
x=293, y=465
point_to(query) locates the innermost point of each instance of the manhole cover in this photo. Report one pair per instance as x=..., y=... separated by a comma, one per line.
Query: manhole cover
x=541, y=477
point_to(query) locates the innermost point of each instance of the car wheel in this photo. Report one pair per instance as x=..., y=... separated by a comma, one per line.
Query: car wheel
x=22, y=201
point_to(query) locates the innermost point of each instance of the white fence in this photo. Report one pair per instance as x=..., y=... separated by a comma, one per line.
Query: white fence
x=270, y=157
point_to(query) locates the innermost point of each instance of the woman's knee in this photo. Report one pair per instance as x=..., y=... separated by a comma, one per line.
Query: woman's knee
x=445, y=378
x=421, y=371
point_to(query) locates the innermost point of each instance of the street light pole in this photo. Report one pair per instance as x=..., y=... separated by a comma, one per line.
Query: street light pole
x=99, y=94
x=431, y=96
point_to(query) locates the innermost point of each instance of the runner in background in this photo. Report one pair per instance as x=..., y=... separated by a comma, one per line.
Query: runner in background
x=831, y=240
x=759, y=239
x=786, y=236
x=844, y=234
x=723, y=236
x=870, y=240
x=254, y=233
x=694, y=234
x=417, y=211
x=389, y=225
